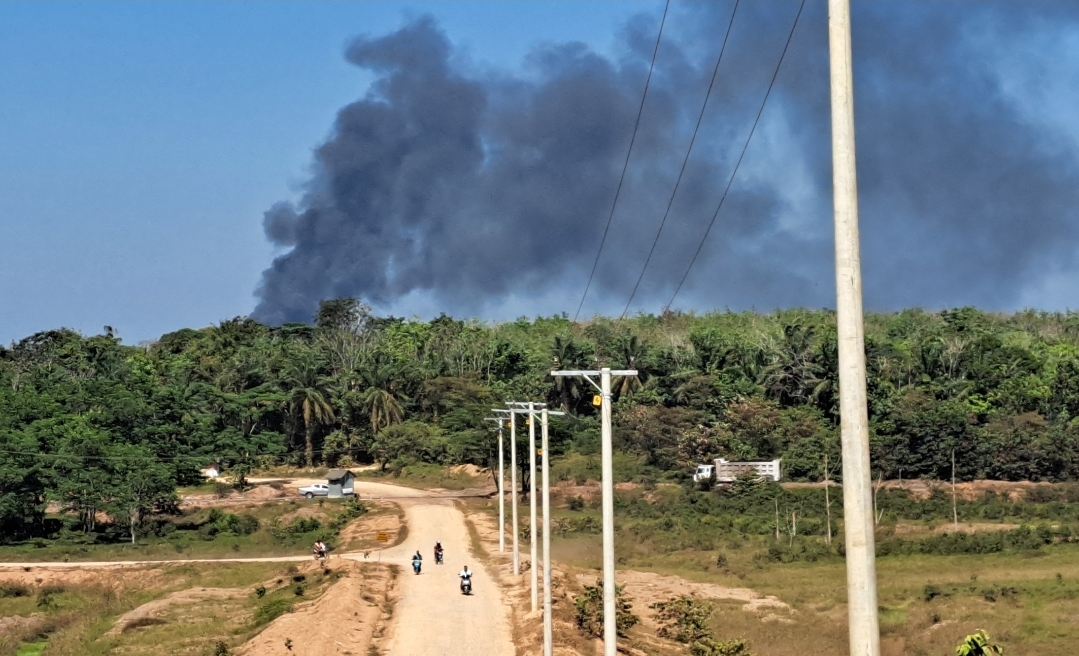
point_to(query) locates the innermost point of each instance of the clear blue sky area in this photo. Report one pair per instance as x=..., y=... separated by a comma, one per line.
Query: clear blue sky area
x=140, y=143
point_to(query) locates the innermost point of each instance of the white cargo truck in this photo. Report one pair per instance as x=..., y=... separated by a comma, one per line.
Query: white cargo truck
x=725, y=471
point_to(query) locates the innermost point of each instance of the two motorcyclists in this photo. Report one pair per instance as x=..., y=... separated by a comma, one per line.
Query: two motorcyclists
x=319, y=550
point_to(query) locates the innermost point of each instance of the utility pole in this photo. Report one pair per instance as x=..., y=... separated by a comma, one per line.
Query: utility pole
x=513, y=484
x=610, y=634
x=501, y=489
x=858, y=523
x=548, y=623
x=529, y=408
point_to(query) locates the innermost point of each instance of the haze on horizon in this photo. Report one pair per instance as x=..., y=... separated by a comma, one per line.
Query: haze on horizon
x=462, y=157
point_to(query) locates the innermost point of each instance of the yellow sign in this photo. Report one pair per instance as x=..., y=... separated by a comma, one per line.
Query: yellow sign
x=597, y=400
x=383, y=536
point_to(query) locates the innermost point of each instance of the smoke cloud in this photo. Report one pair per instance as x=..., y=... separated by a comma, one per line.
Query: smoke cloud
x=470, y=190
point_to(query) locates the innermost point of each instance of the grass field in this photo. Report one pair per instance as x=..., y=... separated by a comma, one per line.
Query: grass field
x=284, y=527
x=1026, y=596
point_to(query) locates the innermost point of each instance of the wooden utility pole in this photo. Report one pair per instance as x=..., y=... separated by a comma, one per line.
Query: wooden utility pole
x=864, y=628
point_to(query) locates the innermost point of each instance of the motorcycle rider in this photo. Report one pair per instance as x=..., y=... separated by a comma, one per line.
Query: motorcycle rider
x=438, y=552
x=466, y=578
x=319, y=549
x=417, y=561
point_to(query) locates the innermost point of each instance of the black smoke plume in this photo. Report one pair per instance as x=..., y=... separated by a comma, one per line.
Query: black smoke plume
x=474, y=188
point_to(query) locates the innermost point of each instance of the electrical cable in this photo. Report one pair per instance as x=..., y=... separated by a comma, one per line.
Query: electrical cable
x=625, y=165
x=740, y=157
x=685, y=161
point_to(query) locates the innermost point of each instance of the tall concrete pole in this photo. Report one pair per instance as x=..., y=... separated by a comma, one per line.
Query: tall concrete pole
x=513, y=495
x=854, y=420
x=501, y=493
x=534, y=563
x=548, y=627
x=610, y=634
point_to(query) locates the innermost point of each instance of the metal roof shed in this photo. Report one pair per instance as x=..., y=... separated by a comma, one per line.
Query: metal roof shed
x=341, y=482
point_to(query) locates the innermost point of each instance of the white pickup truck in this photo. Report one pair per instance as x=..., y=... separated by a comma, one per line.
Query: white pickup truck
x=315, y=490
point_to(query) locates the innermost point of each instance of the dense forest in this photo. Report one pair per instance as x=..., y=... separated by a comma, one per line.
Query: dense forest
x=92, y=425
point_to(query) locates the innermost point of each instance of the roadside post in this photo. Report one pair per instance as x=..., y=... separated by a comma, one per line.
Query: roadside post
x=610, y=634
x=383, y=537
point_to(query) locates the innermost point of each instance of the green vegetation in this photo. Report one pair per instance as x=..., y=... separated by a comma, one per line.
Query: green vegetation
x=589, y=611
x=106, y=433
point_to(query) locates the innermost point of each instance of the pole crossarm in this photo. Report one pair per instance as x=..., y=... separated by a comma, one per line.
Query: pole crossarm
x=587, y=375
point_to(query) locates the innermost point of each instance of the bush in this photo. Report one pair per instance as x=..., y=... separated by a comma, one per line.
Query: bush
x=710, y=647
x=683, y=619
x=931, y=592
x=271, y=610
x=13, y=590
x=589, y=611
x=576, y=503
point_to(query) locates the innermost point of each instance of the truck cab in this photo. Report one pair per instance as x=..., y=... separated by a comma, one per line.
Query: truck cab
x=704, y=472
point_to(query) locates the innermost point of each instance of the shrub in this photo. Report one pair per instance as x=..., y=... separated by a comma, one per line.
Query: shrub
x=931, y=592
x=221, y=649
x=271, y=610
x=13, y=590
x=576, y=503
x=978, y=644
x=589, y=611
x=710, y=647
x=260, y=591
x=683, y=619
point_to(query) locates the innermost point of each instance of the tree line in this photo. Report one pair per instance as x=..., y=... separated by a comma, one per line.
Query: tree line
x=93, y=425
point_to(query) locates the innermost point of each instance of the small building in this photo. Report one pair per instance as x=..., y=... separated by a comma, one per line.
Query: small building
x=211, y=471
x=342, y=483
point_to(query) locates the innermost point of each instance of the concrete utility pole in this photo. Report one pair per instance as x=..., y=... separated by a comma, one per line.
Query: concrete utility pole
x=548, y=623
x=501, y=489
x=610, y=634
x=529, y=408
x=854, y=420
x=513, y=484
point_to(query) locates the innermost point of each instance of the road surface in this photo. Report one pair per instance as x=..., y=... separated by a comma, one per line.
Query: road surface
x=432, y=617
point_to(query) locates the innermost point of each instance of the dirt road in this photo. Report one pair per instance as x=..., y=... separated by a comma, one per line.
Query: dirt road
x=433, y=617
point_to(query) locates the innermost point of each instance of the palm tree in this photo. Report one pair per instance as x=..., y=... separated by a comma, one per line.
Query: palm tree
x=310, y=401
x=380, y=395
x=566, y=354
x=794, y=376
x=628, y=350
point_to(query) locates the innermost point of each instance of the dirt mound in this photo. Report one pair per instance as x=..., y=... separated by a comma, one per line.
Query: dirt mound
x=362, y=532
x=19, y=624
x=265, y=492
x=151, y=610
x=471, y=470
x=304, y=512
x=342, y=621
x=649, y=587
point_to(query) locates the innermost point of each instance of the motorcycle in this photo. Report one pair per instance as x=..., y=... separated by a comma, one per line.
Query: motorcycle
x=319, y=554
x=416, y=566
x=438, y=557
x=466, y=586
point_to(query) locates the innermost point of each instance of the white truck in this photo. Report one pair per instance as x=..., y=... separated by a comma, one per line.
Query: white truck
x=725, y=471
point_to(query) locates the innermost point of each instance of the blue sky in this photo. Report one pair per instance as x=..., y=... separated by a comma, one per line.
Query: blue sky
x=140, y=143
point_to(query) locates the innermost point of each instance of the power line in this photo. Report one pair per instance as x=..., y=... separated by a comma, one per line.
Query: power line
x=740, y=157
x=625, y=165
x=689, y=150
